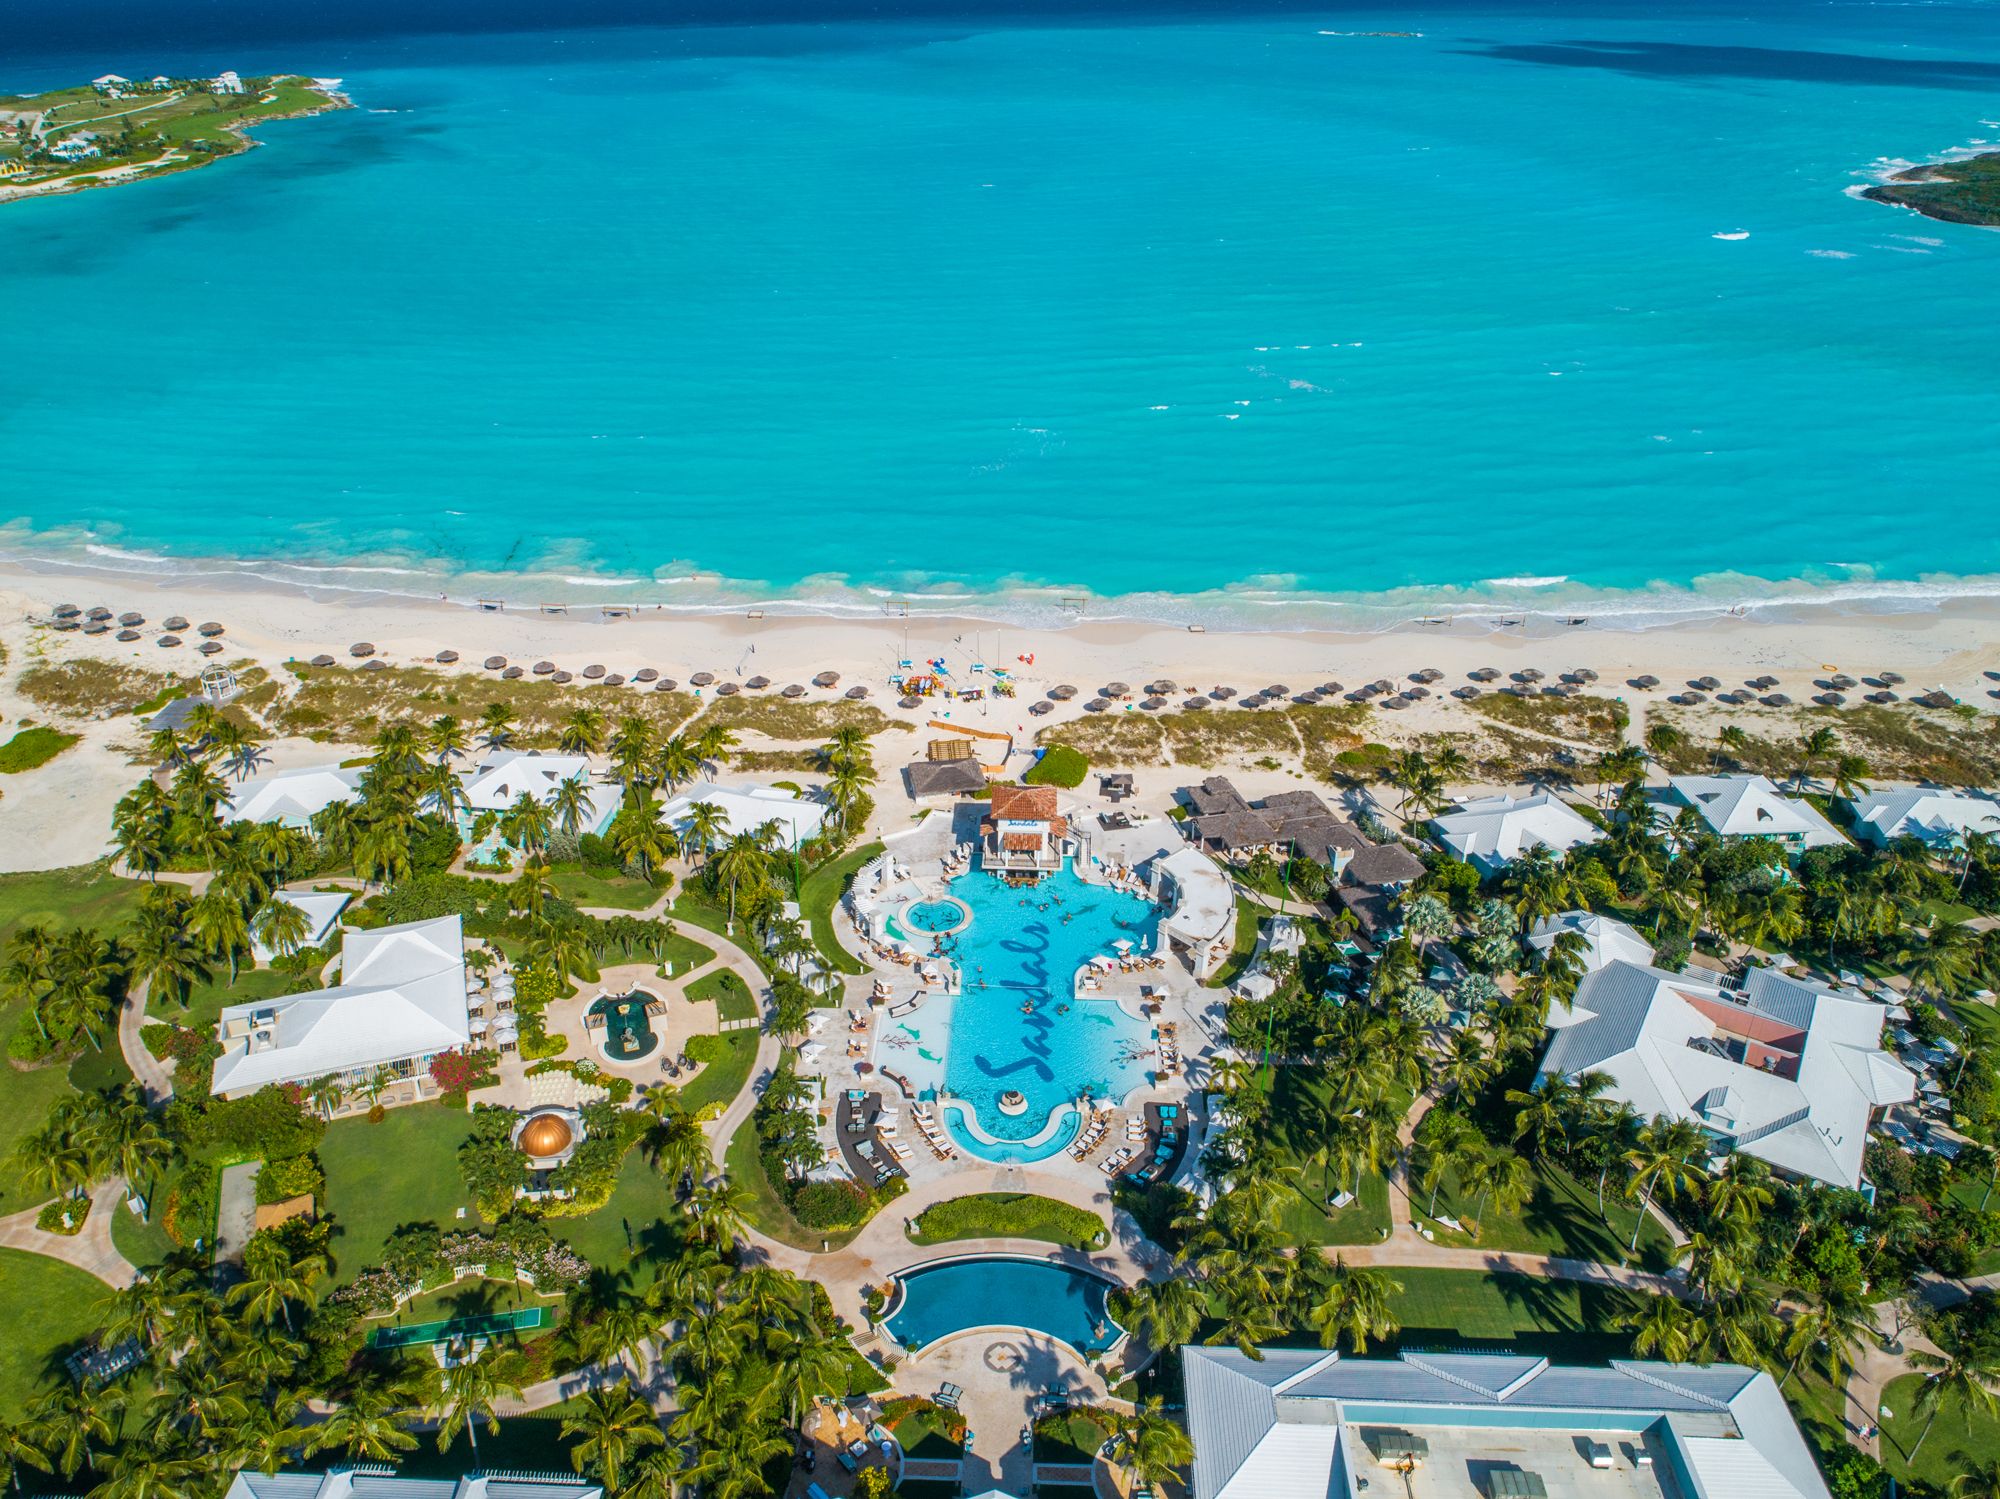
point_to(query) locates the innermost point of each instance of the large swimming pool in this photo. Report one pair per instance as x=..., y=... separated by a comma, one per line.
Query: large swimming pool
x=1065, y=1304
x=1016, y=1026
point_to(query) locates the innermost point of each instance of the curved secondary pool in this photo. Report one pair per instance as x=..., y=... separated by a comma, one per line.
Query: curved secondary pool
x=941, y=1300
x=932, y=917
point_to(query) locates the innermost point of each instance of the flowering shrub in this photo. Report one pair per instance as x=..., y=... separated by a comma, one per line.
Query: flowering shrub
x=458, y=1072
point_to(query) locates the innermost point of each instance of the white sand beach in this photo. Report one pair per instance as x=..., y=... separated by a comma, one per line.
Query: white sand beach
x=58, y=814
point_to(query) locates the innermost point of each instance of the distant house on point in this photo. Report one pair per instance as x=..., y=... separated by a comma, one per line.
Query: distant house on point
x=226, y=82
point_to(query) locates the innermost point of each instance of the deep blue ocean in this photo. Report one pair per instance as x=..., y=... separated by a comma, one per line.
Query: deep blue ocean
x=1211, y=313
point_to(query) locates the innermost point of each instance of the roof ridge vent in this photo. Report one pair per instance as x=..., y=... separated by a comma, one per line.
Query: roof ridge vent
x=1645, y=1375
x=1306, y=1373
x=1449, y=1377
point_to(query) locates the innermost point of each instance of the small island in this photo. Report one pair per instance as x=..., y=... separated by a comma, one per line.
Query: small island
x=1966, y=191
x=115, y=130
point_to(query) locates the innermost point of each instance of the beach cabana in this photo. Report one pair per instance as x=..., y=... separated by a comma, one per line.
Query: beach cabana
x=756, y=684
x=561, y=678
x=130, y=619
x=512, y=674
x=665, y=684
x=793, y=689
x=322, y=661
x=99, y=613
x=857, y=693
x=128, y=636
x=210, y=627
x=70, y=611
x=1062, y=693
x=1485, y=674
x=727, y=689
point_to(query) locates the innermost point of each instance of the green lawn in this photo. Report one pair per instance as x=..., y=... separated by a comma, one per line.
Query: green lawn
x=1248, y=917
x=818, y=896
x=768, y=1213
x=1957, y=1441
x=727, y=992
x=206, y=1002
x=143, y=1243
x=25, y=1098
x=1452, y=1308
x=685, y=954
x=694, y=908
x=620, y=892
x=86, y=895
x=637, y=1223
x=1008, y=1215
x=381, y=1176
x=46, y=1306
x=1560, y=1218
x=719, y=1082
x=1300, y=1094
x=33, y=747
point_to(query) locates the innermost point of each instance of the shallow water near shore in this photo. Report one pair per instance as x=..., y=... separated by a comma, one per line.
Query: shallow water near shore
x=1202, y=316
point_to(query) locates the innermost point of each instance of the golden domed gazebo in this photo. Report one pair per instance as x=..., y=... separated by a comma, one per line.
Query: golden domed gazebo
x=549, y=1136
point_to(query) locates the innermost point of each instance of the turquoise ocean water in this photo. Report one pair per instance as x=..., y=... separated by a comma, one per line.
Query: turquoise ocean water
x=1199, y=314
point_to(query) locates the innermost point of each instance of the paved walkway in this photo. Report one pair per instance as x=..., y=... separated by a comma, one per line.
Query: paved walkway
x=236, y=1212
x=152, y=1075
x=90, y=1250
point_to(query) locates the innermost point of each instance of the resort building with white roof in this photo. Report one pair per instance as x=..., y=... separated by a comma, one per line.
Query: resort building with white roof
x=1938, y=817
x=1199, y=906
x=292, y=797
x=504, y=779
x=1606, y=940
x=1751, y=807
x=1785, y=1070
x=322, y=910
x=386, y=1483
x=1301, y=1423
x=745, y=809
x=401, y=1000
x=1491, y=832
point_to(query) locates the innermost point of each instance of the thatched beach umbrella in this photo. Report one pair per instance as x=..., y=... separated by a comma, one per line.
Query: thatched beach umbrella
x=1162, y=687
x=856, y=694
x=128, y=636
x=1097, y=705
x=169, y=640
x=209, y=647
x=793, y=689
x=446, y=658
x=1830, y=700
x=592, y=672
x=1706, y=684
x=561, y=678
x=512, y=674
x=827, y=679
x=913, y=701
x=70, y=611
x=1762, y=684
x=321, y=661
x=1427, y=675
x=378, y=664
x=131, y=618
x=665, y=684
x=645, y=674
x=495, y=663
x=1776, y=700
x=1041, y=709
x=1195, y=704
x=1416, y=694
x=1277, y=691
x=361, y=649
x=1467, y=693
x=1062, y=693
x=1891, y=678
x=702, y=678
x=1841, y=682
x=1935, y=699
x=1154, y=704
x=756, y=684
x=1485, y=674
x=544, y=668
x=97, y=627
x=209, y=627
x=1331, y=689
x=1694, y=699
x=727, y=689
x=1529, y=674
x=99, y=613
x=1117, y=689
x=174, y=622
x=1583, y=674
x=1644, y=684
x=1394, y=702
x=614, y=679
x=1222, y=694
x=1884, y=696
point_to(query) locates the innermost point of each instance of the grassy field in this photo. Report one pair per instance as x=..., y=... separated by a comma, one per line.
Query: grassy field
x=693, y=907
x=791, y=720
x=685, y=954
x=34, y=747
x=143, y=1243
x=1249, y=916
x=719, y=1082
x=818, y=896
x=727, y=992
x=1958, y=1440
x=338, y=703
x=87, y=895
x=1008, y=1215
x=1453, y=1308
x=1300, y=1096
x=632, y=1225
x=1560, y=1218
x=618, y=892
x=381, y=1176
x=46, y=1306
x=87, y=687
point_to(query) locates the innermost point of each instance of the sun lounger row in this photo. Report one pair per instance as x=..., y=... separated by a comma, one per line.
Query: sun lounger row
x=1093, y=1133
x=939, y=1142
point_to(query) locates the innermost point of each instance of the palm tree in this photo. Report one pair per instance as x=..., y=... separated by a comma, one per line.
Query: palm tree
x=614, y=1426
x=1150, y=1447
x=1665, y=1328
x=1504, y=1175
x=720, y=1210
x=216, y=920
x=1164, y=1313
x=1730, y=738
x=1850, y=776
x=1813, y=748
x=743, y=860
x=1966, y=1377
x=1354, y=1304
x=1980, y=1480
x=281, y=927
x=1445, y=1142
x=382, y=852
x=526, y=823
x=20, y=1447
x=1664, y=1160
x=1834, y=1318
x=1663, y=740
x=470, y=1390
x=639, y=836
x=368, y=1424
x=706, y=822
x=582, y=732
x=496, y=725
x=677, y=763
x=571, y=802
x=274, y=1279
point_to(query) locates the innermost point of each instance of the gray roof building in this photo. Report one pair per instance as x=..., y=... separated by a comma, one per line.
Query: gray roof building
x=384, y=1483
x=944, y=778
x=1306, y=1424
